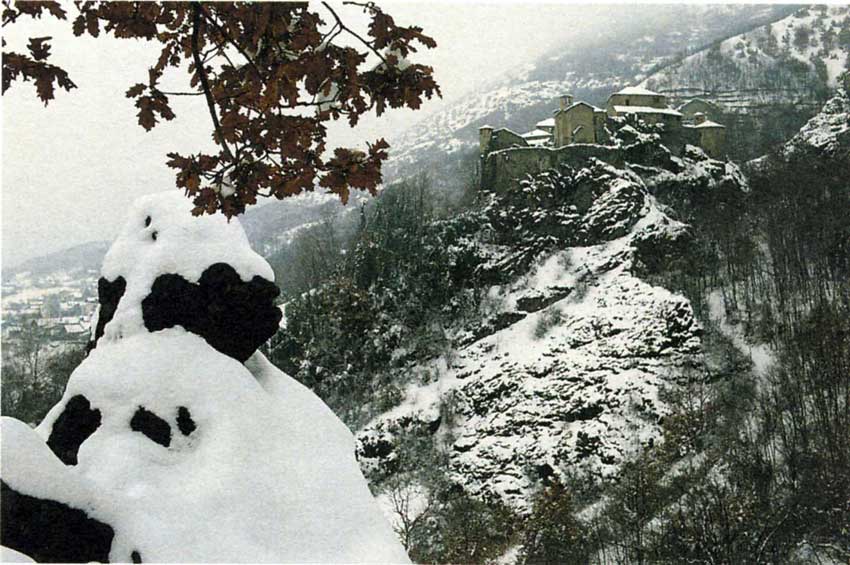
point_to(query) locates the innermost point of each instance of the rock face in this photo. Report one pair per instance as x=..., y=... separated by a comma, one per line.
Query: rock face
x=568, y=377
x=828, y=133
x=233, y=316
x=175, y=440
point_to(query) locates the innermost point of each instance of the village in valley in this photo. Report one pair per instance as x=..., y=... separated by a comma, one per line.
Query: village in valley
x=56, y=308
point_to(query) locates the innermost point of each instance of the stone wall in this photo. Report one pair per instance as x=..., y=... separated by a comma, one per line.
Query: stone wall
x=502, y=170
x=676, y=138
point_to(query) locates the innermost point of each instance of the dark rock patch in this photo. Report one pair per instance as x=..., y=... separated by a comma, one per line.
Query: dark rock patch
x=185, y=423
x=135, y=557
x=108, y=296
x=73, y=426
x=49, y=531
x=492, y=325
x=152, y=426
x=434, y=425
x=544, y=472
x=233, y=316
x=539, y=301
x=376, y=449
x=584, y=413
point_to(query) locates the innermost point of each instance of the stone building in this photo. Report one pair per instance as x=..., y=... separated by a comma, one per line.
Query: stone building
x=647, y=105
x=712, y=136
x=547, y=125
x=579, y=130
x=696, y=106
x=635, y=96
x=490, y=139
x=578, y=123
x=538, y=137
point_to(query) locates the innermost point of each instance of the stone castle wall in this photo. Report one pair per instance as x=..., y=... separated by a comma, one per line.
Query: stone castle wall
x=502, y=170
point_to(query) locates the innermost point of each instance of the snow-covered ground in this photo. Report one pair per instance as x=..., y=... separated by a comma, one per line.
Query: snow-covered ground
x=762, y=67
x=574, y=381
x=761, y=354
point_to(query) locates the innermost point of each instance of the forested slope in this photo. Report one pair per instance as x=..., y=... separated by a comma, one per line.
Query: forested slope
x=615, y=365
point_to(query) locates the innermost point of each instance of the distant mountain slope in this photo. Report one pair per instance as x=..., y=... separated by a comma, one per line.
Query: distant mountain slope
x=629, y=51
x=77, y=258
x=768, y=81
x=269, y=228
x=792, y=60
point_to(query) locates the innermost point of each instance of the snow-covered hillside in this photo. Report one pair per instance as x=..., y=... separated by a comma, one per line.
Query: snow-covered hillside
x=829, y=131
x=786, y=61
x=564, y=375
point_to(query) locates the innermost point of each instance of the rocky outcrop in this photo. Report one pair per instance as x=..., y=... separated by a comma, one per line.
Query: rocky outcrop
x=828, y=133
x=567, y=378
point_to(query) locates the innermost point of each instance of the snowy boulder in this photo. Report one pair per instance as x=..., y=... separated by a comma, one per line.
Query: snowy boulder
x=168, y=268
x=175, y=452
x=175, y=440
x=46, y=511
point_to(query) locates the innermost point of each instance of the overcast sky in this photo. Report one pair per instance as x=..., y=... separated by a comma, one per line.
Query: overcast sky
x=70, y=169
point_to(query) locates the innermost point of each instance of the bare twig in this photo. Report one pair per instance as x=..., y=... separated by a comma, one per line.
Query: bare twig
x=229, y=39
x=158, y=91
x=354, y=33
x=199, y=68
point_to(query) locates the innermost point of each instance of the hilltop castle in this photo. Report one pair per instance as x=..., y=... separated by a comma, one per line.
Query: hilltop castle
x=579, y=130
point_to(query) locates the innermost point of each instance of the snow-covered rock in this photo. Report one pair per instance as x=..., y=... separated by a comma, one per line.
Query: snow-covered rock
x=569, y=379
x=229, y=466
x=829, y=131
x=168, y=445
x=168, y=267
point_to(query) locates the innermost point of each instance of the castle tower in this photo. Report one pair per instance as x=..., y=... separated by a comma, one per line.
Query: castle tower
x=485, y=134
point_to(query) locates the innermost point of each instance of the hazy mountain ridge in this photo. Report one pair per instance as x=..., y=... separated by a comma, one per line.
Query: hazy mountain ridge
x=85, y=256
x=626, y=53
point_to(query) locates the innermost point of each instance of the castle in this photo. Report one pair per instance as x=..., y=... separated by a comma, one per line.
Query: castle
x=579, y=130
